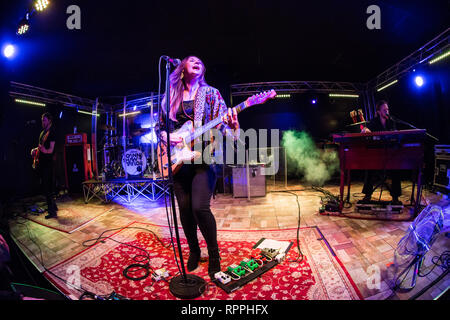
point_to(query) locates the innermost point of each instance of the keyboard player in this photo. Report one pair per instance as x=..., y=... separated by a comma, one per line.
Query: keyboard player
x=381, y=122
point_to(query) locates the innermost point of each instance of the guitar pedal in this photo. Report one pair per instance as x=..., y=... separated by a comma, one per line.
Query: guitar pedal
x=222, y=277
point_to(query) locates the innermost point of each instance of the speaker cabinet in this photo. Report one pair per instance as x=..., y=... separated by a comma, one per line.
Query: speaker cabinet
x=77, y=160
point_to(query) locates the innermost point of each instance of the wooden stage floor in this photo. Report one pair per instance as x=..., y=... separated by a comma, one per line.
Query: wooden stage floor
x=360, y=244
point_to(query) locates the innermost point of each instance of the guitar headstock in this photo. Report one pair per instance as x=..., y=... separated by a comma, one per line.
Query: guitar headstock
x=261, y=98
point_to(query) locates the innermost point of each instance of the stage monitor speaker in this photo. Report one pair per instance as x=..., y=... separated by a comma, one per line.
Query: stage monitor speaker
x=254, y=181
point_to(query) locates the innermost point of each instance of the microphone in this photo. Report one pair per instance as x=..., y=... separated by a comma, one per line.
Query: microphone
x=392, y=117
x=175, y=62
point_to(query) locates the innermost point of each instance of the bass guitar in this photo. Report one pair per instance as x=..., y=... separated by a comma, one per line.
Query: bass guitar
x=182, y=152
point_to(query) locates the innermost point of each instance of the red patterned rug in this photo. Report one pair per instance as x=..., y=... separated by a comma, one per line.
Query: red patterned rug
x=99, y=269
x=71, y=216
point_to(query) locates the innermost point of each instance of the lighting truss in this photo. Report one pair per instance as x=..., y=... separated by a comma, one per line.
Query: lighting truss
x=28, y=92
x=41, y=5
x=431, y=51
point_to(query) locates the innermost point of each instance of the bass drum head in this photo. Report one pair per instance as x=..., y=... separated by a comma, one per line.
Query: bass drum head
x=134, y=162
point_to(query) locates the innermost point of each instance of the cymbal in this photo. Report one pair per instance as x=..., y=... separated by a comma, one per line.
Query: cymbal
x=141, y=131
x=357, y=124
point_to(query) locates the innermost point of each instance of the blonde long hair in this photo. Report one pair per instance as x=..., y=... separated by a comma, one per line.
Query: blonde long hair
x=177, y=87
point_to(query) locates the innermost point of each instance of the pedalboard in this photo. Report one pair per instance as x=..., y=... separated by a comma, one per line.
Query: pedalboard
x=240, y=273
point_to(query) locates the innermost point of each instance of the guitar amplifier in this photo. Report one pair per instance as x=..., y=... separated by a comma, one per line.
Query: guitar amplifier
x=77, y=161
x=442, y=166
x=253, y=181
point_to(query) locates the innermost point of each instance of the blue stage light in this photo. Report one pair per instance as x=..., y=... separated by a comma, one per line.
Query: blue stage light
x=313, y=101
x=419, y=81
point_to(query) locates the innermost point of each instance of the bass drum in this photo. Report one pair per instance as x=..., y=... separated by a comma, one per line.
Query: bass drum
x=134, y=162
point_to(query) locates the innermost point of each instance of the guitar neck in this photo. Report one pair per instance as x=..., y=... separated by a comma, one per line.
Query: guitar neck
x=213, y=123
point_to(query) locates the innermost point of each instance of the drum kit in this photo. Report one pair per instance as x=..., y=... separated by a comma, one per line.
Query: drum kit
x=133, y=156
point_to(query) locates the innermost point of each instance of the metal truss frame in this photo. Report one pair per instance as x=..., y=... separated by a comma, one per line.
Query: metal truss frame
x=126, y=190
x=436, y=46
x=25, y=91
x=248, y=89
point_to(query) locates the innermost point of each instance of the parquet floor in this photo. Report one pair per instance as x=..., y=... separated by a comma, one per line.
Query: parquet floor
x=365, y=247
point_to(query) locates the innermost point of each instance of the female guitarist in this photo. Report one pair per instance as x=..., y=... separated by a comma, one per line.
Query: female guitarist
x=191, y=98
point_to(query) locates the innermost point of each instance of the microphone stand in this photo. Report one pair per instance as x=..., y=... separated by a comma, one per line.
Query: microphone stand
x=410, y=125
x=185, y=286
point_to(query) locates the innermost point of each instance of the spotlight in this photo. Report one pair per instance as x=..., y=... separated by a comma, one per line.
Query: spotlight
x=41, y=5
x=283, y=96
x=419, y=81
x=9, y=50
x=313, y=101
x=23, y=27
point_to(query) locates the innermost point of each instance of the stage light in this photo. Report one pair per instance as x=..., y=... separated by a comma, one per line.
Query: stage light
x=129, y=114
x=24, y=26
x=343, y=95
x=440, y=57
x=41, y=5
x=9, y=50
x=60, y=114
x=283, y=96
x=313, y=101
x=418, y=80
x=388, y=85
x=34, y=103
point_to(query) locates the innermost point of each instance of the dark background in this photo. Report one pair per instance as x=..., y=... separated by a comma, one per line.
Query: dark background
x=117, y=49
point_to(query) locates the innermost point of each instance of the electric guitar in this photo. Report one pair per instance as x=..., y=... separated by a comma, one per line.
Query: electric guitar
x=182, y=152
x=38, y=151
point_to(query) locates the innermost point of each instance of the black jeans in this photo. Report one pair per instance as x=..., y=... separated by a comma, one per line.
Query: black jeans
x=47, y=175
x=193, y=187
x=371, y=176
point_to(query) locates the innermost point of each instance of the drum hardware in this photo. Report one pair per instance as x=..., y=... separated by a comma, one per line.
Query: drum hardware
x=107, y=128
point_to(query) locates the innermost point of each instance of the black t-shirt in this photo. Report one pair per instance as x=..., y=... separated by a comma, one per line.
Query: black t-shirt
x=375, y=125
x=185, y=113
x=47, y=157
